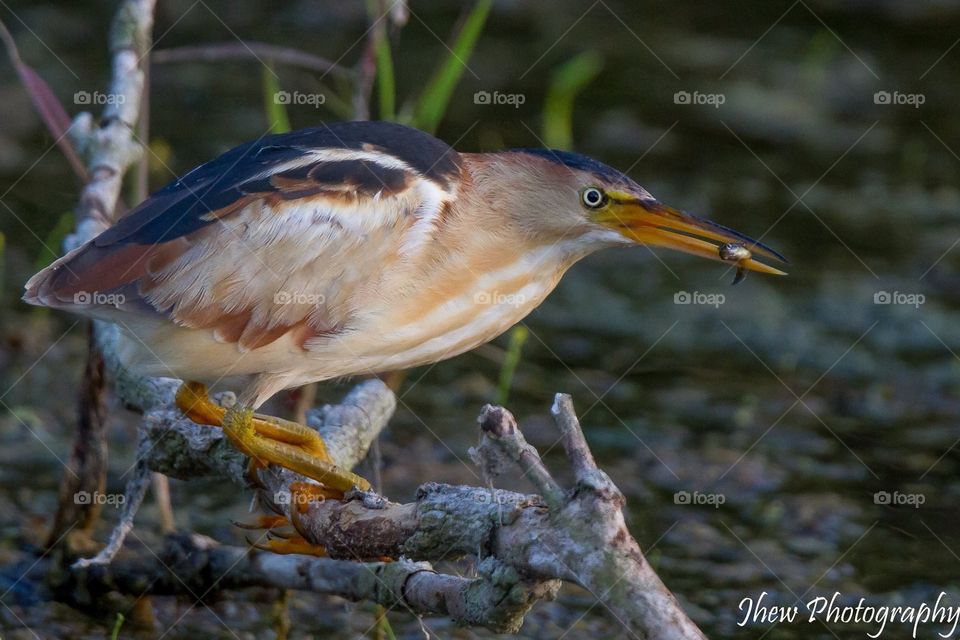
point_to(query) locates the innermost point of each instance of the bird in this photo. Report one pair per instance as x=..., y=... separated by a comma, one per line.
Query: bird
x=345, y=249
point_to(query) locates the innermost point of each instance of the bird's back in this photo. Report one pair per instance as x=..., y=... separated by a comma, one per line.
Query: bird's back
x=324, y=183
x=280, y=237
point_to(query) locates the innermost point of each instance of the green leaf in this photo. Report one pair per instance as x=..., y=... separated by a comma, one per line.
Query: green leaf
x=436, y=96
x=566, y=82
x=518, y=336
x=273, y=106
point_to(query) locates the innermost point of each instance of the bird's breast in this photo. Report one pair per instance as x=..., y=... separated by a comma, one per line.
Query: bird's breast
x=458, y=308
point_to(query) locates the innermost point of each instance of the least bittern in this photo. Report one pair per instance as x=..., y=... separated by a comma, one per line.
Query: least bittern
x=345, y=249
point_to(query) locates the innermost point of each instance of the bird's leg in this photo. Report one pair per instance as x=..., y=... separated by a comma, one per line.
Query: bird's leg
x=266, y=439
x=285, y=535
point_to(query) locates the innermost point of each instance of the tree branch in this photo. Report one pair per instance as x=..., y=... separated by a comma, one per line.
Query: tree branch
x=496, y=598
x=576, y=534
x=109, y=149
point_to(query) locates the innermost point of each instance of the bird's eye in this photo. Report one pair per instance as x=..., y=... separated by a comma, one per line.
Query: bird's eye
x=593, y=198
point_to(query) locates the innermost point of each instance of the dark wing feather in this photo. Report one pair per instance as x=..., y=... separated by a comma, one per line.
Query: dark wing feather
x=149, y=254
x=180, y=207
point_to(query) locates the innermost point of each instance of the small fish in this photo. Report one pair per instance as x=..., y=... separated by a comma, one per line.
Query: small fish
x=733, y=252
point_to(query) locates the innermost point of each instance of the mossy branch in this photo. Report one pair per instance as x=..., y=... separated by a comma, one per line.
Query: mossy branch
x=524, y=543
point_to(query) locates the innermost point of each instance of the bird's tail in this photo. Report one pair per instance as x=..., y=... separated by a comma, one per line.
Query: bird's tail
x=90, y=280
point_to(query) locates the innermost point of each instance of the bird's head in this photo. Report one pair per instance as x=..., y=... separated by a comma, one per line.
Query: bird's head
x=566, y=197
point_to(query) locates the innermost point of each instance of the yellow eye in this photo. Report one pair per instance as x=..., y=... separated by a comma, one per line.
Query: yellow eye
x=593, y=198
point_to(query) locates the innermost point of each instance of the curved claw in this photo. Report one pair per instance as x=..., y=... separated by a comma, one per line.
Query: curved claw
x=287, y=546
x=263, y=522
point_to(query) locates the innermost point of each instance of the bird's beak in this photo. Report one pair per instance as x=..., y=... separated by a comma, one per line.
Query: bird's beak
x=652, y=223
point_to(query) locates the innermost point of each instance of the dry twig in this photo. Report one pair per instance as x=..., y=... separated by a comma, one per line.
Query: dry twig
x=109, y=149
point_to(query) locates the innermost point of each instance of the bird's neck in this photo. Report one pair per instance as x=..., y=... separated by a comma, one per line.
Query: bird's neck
x=499, y=209
x=473, y=267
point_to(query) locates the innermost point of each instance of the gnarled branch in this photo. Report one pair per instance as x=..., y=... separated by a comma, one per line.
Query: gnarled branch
x=525, y=543
x=108, y=149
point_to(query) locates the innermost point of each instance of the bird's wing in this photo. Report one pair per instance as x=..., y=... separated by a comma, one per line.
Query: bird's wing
x=273, y=236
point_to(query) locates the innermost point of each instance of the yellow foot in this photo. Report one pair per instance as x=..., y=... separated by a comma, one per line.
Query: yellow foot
x=266, y=439
x=290, y=545
x=284, y=535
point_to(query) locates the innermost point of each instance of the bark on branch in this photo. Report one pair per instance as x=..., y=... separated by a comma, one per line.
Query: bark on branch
x=525, y=543
x=108, y=149
x=495, y=599
x=109, y=146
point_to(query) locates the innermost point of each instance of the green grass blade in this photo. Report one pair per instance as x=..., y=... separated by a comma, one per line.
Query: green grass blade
x=273, y=106
x=566, y=82
x=3, y=260
x=518, y=336
x=115, y=634
x=386, y=82
x=382, y=628
x=436, y=96
x=342, y=109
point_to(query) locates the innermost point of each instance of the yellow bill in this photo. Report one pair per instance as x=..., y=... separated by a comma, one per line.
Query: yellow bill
x=655, y=224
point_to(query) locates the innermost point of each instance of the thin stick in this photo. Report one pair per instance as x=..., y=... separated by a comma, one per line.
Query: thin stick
x=110, y=150
x=249, y=50
x=133, y=497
